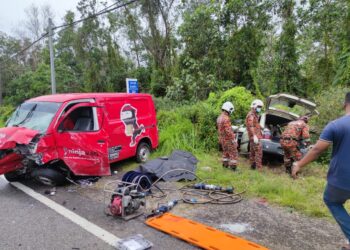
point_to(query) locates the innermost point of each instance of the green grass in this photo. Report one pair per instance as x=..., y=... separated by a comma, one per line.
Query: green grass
x=303, y=195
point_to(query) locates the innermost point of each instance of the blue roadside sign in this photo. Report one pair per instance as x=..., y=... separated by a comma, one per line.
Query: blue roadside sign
x=132, y=85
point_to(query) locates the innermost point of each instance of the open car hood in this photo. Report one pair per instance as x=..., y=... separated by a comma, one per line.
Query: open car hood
x=290, y=106
x=10, y=136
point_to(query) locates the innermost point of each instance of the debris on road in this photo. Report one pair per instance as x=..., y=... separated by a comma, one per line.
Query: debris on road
x=51, y=192
x=237, y=228
x=136, y=242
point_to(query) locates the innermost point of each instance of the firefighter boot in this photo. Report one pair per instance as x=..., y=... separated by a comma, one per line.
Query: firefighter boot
x=289, y=167
x=253, y=166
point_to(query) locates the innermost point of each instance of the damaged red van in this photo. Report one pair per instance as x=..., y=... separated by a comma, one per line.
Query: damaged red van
x=54, y=137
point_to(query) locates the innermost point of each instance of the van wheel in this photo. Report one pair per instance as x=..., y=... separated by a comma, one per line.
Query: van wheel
x=14, y=176
x=49, y=177
x=143, y=151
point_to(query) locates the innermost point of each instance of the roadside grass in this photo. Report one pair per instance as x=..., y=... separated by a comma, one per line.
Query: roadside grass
x=303, y=195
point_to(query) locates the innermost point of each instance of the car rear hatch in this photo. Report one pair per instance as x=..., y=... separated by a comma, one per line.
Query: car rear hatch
x=289, y=106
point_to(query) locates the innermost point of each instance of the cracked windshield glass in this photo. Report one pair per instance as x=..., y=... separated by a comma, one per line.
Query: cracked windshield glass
x=34, y=115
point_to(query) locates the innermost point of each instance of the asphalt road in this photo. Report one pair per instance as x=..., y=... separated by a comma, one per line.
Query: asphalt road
x=28, y=224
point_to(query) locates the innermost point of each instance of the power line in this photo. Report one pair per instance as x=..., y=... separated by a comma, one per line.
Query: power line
x=30, y=45
x=95, y=15
x=101, y=12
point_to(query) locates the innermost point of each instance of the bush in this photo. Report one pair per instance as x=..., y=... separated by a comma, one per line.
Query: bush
x=176, y=132
x=5, y=112
x=330, y=106
x=239, y=96
x=193, y=127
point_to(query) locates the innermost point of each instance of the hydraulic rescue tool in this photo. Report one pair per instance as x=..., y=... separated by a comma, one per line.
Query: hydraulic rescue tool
x=163, y=209
x=204, y=186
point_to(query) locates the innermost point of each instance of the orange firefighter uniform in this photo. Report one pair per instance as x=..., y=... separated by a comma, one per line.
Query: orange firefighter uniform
x=227, y=141
x=294, y=134
x=254, y=129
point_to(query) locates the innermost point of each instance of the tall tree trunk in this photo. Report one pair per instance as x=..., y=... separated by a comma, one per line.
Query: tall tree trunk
x=1, y=85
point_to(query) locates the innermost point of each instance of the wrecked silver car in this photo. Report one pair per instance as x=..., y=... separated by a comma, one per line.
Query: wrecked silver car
x=280, y=110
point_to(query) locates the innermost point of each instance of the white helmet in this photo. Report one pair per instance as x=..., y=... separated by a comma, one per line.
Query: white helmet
x=257, y=103
x=228, y=106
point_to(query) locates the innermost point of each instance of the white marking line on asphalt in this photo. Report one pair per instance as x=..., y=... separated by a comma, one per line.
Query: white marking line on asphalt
x=77, y=219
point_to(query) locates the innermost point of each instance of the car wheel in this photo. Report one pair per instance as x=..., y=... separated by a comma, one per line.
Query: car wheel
x=49, y=177
x=14, y=176
x=143, y=151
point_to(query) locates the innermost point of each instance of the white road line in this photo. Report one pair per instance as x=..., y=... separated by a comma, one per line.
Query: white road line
x=77, y=219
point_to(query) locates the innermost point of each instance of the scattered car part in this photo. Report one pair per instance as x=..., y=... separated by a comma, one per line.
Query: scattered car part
x=136, y=242
x=125, y=200
x=199, y=234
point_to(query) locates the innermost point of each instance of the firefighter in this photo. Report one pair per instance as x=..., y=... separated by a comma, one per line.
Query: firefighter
x=254, y=133
x=227, y=137
x=294, y=137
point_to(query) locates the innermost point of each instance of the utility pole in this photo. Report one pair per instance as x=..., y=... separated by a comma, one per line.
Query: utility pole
x=52, y=59
x=0, y=86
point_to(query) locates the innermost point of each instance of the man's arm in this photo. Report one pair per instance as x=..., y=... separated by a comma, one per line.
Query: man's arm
x=312, y=155
x=250, y=125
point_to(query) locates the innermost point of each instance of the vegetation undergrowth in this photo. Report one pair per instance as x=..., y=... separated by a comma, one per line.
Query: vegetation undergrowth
x=192, y=128
x=303, y=195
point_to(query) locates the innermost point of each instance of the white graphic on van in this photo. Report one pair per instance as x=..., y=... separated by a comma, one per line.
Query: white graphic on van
x=128, y=115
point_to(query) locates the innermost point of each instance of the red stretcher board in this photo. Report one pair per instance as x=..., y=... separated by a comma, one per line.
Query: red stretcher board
x=199, y=234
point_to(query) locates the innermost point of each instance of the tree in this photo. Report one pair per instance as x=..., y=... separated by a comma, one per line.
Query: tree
x=287, y=78
x=342, y=76
x=152, y=22
x=246, y=24
x=10, y=67
x=319, y=23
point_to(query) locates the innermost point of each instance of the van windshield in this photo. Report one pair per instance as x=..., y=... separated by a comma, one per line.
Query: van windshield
x=34, y=115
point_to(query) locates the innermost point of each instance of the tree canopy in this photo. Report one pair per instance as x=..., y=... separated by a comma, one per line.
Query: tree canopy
x=184, y=49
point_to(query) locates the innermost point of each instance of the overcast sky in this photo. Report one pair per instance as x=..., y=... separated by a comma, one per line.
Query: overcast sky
x=12, y=11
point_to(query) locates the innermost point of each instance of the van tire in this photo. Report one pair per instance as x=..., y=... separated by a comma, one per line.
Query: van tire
x=14, y=176
x=49, y=177
x=143, y=151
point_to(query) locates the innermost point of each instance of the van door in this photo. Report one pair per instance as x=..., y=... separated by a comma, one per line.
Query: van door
x=82, y=141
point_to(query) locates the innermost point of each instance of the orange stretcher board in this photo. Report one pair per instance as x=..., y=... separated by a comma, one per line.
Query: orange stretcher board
x=199, y=234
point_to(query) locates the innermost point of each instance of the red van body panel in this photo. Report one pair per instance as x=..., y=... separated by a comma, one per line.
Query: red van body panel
x=106, y=128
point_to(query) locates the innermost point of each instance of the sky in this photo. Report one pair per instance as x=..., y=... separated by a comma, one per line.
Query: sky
x=12, y=11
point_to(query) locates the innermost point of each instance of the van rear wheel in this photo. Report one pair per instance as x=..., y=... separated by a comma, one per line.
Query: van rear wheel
x=49, y=177
x=143, y=151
